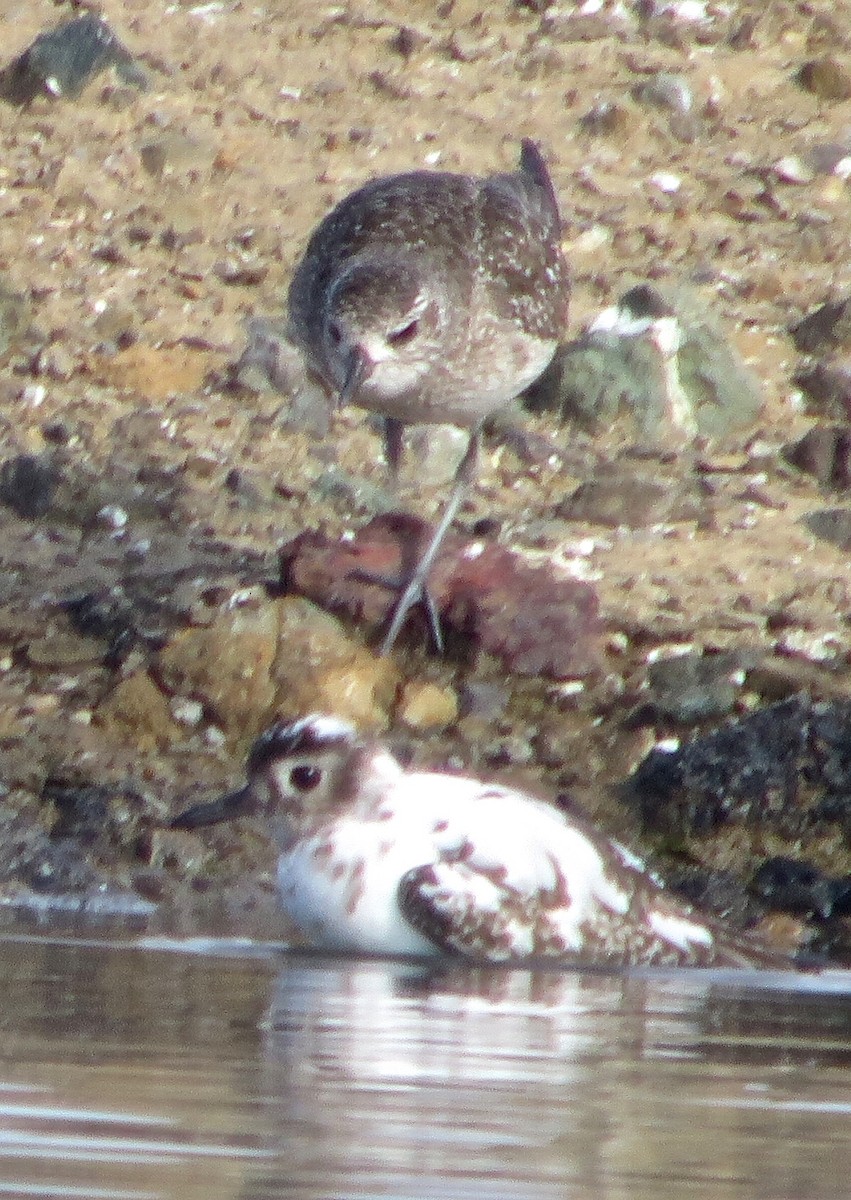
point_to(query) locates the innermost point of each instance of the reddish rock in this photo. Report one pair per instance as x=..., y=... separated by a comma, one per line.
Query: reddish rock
x=538, y=620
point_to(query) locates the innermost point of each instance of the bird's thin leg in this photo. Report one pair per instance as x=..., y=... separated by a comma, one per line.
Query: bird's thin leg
x=415, y=590
x=393, y=430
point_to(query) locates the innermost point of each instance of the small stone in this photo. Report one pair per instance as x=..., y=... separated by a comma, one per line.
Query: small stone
x=666, y=181
x=484, y=699
x=826, y=327
x=242, y=273
x=138, y=712
x=28, y=484
x=609, y=120
x=695, y=687
x=832, y=525
x=427, y=706
x=621, y=497
x=55, y=362
x=63, y=60
x=665, y=90
x=407, y=41
x=112, y=517
x=227, y=665
x=825, y=453
x=64, y=650
x=173, y=152
x=791, y=169
x=827, y=386
x=826, y=78
x=433, y=453
x=186, y=711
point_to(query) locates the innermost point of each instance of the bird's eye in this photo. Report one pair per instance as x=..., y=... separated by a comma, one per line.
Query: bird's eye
x=305, y=779
x=399, y=337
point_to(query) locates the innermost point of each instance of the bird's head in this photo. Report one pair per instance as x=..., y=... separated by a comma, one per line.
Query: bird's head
x=296, y=772
x=381, y=330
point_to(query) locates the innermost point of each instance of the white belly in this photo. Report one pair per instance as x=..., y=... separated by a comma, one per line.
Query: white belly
x=348, y=899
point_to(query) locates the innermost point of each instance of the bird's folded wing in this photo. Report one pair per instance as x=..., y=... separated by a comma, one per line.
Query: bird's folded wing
x=474, y=912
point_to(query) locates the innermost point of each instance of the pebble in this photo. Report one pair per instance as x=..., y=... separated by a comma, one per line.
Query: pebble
x=825, y=328
x=137, y=712
x=426, y=706
x=61, y=61
x=186, y=712
x=826, y=78
x=433, y=453
x=694, y=687
x=825, y=453
x=28, y=484
x=799, y=887
x=63, y=650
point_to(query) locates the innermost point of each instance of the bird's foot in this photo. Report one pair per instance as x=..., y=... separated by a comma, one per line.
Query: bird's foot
x=412, y=592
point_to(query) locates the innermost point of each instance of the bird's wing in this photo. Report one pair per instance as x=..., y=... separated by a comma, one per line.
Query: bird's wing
x=514, y=878
x=533, y=883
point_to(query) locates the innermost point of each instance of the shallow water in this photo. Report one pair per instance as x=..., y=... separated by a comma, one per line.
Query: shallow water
x=147, y=1070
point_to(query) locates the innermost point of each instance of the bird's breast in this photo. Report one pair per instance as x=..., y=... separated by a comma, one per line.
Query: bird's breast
x=340, y=887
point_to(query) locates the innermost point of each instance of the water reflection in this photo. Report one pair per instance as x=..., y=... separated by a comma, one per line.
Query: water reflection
x=604, y=1085
x=136, y=1072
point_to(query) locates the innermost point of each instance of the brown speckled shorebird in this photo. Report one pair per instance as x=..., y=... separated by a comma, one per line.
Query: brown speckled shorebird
x=379, y=860
x=433, y=297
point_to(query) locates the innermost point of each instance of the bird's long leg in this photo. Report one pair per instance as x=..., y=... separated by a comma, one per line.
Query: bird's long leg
x=393, y=430
x=414, y=590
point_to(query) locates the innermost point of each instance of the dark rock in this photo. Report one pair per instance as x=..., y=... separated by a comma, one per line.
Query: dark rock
x=824, y=452
x=784, y=767
x=832, y=941
x=826, y=327
x=63, y=60
x=58, y=869
x=95, y=815
x=29, y=856
x=489, y=599
x=827, y=386
x=28, y=484
x=797, y=887
x=109, y=615
x=720, y=892
x=831, y=525
x=695, y=687
x=826, y=78
x=123, y=620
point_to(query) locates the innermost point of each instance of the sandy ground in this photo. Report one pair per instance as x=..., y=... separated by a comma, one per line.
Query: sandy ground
x=142, y=229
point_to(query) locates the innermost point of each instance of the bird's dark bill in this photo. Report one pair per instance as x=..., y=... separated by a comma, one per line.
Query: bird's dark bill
x=358, y=369
x=226, y=808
